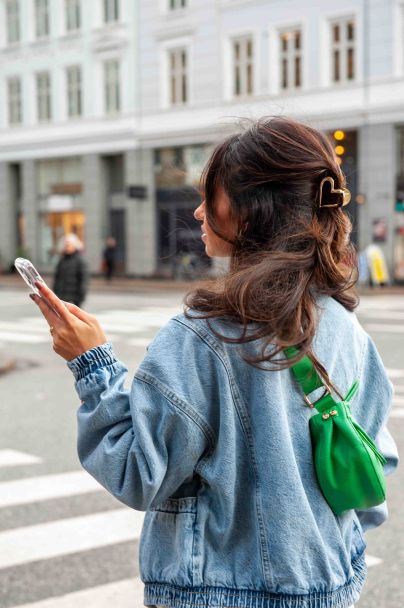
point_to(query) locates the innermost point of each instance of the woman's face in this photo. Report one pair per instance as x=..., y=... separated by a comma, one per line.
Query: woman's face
x=214, y=245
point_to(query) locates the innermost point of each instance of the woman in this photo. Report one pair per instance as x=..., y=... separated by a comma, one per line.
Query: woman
x=71, y=276
x=212, y=439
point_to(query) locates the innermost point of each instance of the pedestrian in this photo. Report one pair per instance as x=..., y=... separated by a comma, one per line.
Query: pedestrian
x=212, y=439
x=71, y=275
x=109, y=258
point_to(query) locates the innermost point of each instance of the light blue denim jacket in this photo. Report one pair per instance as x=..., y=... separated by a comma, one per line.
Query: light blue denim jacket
x=219, y=455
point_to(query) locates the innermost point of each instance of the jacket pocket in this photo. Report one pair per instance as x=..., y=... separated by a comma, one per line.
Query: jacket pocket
x=167, y=542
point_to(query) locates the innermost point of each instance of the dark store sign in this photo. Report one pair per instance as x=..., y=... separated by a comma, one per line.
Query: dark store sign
x=137, y=192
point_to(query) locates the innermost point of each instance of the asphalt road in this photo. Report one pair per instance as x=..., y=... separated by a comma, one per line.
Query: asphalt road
x=64, y=542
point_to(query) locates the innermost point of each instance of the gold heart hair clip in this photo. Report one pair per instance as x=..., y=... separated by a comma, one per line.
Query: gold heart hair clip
x=331, y=196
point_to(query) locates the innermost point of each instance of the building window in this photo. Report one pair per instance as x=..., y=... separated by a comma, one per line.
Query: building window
x=43, y=96
x=343, y=41
x=41, y=18
x=13, y=21
x=73, y=15
x=14, y=101
x=74, y=91
x=111, y=11
x=174, y=4
x=112, y=86
x=291, y=59
x=243, y=66
x=178, y=76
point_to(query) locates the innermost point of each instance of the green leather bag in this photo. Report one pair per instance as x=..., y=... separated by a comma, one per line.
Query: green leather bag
x=348, y=465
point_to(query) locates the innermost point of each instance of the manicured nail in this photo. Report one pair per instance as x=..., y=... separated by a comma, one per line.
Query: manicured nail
x=39, y=284
x=33, y=297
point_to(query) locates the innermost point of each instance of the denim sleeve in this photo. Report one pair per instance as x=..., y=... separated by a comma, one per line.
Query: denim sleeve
x=374, y=402
x=140, y=443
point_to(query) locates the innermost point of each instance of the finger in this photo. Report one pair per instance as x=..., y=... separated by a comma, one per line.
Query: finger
x=53, y=300
x=50, y=316
x=78, y=312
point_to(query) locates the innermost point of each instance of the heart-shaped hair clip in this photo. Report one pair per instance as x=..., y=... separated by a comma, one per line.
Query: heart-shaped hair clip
x=331, y=196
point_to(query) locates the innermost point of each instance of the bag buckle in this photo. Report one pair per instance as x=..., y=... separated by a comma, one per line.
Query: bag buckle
x=327, y=391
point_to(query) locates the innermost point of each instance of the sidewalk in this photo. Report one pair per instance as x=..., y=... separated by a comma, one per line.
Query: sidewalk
x=100, y=285
x=125, y=285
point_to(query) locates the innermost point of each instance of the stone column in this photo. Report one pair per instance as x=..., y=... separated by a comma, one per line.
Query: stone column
x=377, y=163
x=94, y=207
x=8, y=241
x=30, y=210
x=141, y=225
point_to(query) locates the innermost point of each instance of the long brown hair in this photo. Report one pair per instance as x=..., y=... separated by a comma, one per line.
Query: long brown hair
x=287, y=251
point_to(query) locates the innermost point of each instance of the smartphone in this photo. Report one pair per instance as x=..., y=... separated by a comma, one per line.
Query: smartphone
x=30, y=275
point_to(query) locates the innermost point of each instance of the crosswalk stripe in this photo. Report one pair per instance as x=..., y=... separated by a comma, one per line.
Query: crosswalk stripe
x=12, y=458
x=67, y=536
x=397, y=412
x=371, y=560
x=387, y=328
x=395, y=373
x=386, y=315
x=12, y=336
x=47, y=487
x=125, y=594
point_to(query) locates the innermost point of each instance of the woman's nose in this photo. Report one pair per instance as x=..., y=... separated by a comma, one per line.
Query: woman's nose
x=199, y=212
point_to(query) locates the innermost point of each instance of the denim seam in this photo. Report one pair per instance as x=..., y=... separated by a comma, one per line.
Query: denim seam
x=244, y=420
x=179, y=404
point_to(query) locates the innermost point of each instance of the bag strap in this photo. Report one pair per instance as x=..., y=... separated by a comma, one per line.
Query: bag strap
x=309, y=379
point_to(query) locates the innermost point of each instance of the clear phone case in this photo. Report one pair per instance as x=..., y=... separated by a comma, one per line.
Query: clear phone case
x=29, y=273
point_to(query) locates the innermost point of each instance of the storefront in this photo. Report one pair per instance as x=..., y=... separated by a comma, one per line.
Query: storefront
x=398, y=224
x=346, y=148
x=60, y=205
x=177, y=175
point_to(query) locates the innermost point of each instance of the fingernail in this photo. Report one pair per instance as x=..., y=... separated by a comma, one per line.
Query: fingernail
x=33, y=297
x=39, y=284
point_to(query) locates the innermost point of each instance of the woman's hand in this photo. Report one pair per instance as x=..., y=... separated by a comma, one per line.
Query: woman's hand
x=73, y=330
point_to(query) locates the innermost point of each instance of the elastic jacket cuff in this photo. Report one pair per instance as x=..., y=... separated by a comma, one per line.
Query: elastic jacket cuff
x=91, y=360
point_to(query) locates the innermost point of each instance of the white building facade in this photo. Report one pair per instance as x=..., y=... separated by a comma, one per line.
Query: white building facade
x=109, y=109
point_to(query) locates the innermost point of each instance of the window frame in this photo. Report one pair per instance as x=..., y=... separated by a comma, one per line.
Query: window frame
x=342, y=47
x=15, y=16
x=250, y=62
x=290, y=56
x=11, y=101
x=179, y=73
x=42, y=18
x=111, y=11
x=172, y=6
x=115, y=93
x=44, y=96
x=74, y=91
x=73, y=7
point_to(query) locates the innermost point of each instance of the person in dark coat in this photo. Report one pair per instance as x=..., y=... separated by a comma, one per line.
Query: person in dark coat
x=109, y=257
x=71, y=275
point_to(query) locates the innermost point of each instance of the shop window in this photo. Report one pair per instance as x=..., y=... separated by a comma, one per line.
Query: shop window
x=180, y=166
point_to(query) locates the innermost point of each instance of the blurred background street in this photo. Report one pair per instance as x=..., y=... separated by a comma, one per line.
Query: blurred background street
x=64, y=542
x=109, y=110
